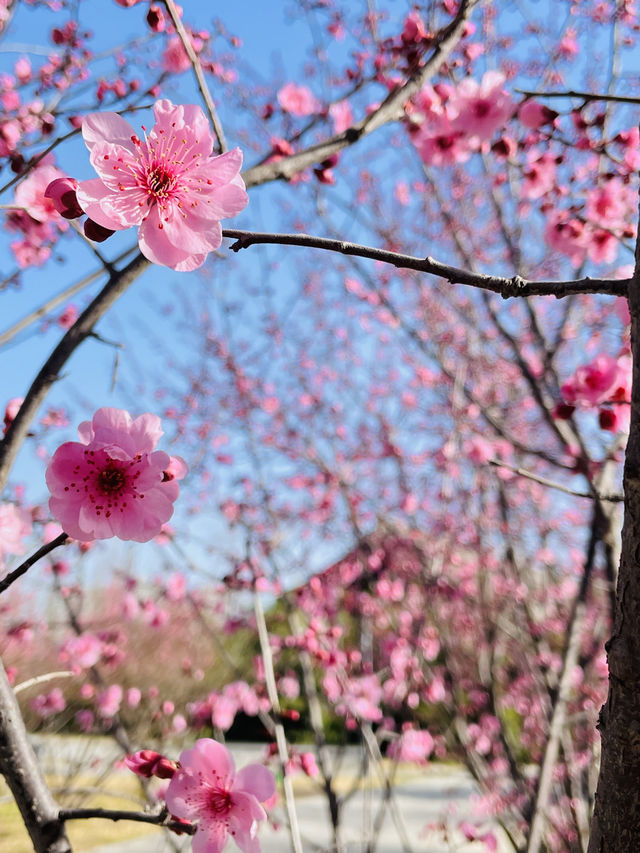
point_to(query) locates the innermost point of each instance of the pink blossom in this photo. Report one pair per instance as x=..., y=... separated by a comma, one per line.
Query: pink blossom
x=62, y=192
x=298, y=100
x=148, y=763
x=11, y=410
x=134, y=696
x=112, y=482
x=207, y=789
x=168, y=184
x=566, y=235
x=68, y=317
x=341, y=115
x=539, y=175
x=412, y=745
x=605, y=379
x=109, y=701
x=14, y=526
x=82, y=651
x=481, y=108
x=439, y=143
x=31, y=193
x=48, y=704
x=533, y=114
x=175, y=59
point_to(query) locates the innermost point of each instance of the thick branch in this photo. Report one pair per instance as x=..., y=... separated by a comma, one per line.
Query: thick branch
x=506, y=287
x=81, y=329
x=391, y=109
x=19, y=766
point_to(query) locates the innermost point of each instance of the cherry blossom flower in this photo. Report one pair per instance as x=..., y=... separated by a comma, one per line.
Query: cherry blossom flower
x=483, y=107
x=48, y=704
x=31, y=193
x=112, y=482
x=14, y=526
x=206, y=788
x=412, y=745
x=605, y=379
x=298, y=100
x=167, y=184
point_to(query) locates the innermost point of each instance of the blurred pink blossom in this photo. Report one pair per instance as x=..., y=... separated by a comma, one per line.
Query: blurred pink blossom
x=298, y=100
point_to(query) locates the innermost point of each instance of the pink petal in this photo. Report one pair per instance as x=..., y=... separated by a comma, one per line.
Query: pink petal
x=178, y=231
x=107, y=127
x=146, y=432
x=221, y=203
x=257, y=780
x=155, y=246
x=97, y=201
x=210, y=837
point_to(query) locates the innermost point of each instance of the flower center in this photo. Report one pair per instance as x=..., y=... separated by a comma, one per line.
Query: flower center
x=160, y=182
x=111, y=480
x=220, y=802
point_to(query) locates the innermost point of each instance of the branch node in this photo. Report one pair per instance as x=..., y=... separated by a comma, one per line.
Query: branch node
x=513, y=287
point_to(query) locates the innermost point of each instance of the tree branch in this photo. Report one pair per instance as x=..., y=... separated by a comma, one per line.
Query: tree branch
x=13, y=576
x=391, y=109
x=506, y=287
x=161, y=818
x=116, y=285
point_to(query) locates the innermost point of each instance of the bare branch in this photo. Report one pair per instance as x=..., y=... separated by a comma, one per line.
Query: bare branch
x=506, y=287
x=23, y=568
x=197, y=70
x=522, y=472
x=116, y=285
x=161, y=818
x=585, y=96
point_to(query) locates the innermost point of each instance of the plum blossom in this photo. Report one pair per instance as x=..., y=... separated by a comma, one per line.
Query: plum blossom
x=481, y=108
x=298, y=100
x=14, y=526
x=48, y=704
x=207, y=788
x=167, y=184
x=412, y=745
x=112, y=482
x=605, y=379
x=31, y=193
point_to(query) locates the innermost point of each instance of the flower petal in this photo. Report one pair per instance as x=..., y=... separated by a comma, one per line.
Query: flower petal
x=107, y=127
x=257, y=780
x=155, y=246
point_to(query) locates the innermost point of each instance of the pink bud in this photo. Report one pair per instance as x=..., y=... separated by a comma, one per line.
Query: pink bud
x=62, y=192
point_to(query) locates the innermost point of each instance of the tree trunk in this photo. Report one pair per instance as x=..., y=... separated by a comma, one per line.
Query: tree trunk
x=615, y=826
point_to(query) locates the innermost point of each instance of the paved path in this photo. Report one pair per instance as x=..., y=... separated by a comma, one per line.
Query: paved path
x=423, y=797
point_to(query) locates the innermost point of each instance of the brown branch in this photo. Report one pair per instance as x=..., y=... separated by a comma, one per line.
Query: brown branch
x=197, y=70
x=391, y=109
x=116, y=285
x=161, y=818
x=23, y=568
x=19, y=766
x=586, y=96
x=505, y=286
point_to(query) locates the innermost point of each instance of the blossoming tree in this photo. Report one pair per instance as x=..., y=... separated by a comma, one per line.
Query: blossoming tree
x=395, y=393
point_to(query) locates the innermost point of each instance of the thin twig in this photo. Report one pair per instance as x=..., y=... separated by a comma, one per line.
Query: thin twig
x=586, y=96
x=506, y=286
x=197, y=70
x=116, y=285
x=13, y=576
x=41, y=679
x=522, y=472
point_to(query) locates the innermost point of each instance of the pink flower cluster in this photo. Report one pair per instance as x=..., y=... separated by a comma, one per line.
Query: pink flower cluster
x=608, y=216
x=207, y=789
x=15, y=524
x=604, y=382
x=220, y=708
x=448, y=124
x=36, y=218
x=113, y=482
